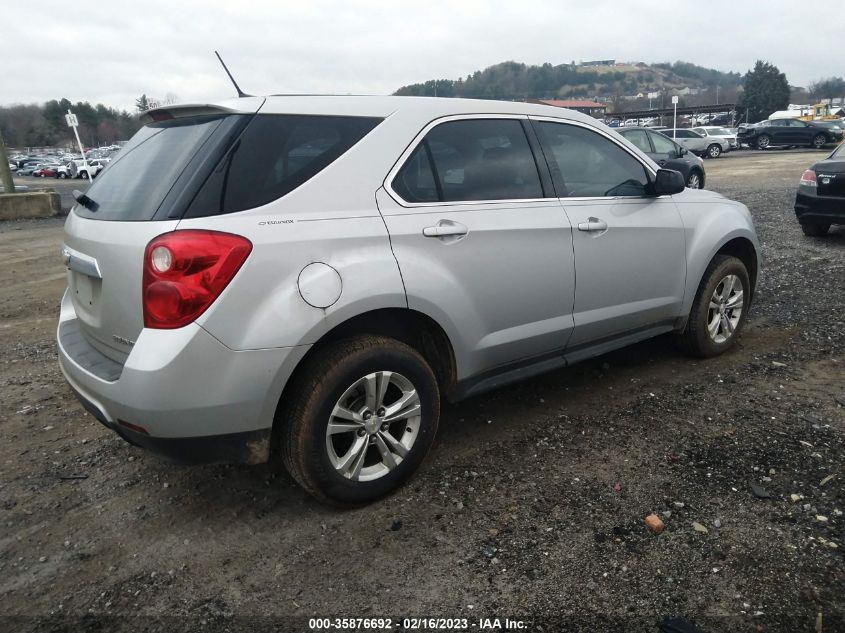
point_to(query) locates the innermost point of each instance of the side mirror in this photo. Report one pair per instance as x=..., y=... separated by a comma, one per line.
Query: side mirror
x=682, y=151
x=668, y=182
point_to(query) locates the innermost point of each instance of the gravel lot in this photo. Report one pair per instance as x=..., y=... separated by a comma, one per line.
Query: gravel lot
x=531, y=505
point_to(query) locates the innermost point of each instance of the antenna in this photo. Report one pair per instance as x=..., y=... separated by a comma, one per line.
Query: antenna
x=241, y=93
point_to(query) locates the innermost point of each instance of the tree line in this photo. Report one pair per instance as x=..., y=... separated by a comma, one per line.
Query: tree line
x=43, y=125
x=513, y=80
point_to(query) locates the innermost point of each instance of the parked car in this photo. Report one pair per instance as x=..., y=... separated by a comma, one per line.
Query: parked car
x=13, y=166
x=694, y=142
x=46, y=171
x=28, y=169
x=833, y=124
x=719, y=134
x=84, y=168
x=722, y=119
x=788, y=132
x=247, y=299
x=668, y=154
x=820, y=200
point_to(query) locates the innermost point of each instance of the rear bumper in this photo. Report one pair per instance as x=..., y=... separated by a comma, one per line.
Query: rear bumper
x=185, y=395
x=818, y=209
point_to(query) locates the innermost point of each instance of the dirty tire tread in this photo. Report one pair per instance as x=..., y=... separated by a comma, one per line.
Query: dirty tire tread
x=695, y=340
x=308, y=393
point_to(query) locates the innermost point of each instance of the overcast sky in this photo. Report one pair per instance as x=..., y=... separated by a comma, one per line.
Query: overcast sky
x=111, y=51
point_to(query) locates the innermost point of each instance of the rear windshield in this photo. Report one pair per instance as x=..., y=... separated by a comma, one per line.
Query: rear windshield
x=208, y=165
x=136, y=182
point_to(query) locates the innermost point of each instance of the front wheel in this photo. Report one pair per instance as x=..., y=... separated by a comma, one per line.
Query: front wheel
x=819, y=141
x=764, y=141
x=720, y=308
x=359, y=419
x=714, y=151
x=813, y=229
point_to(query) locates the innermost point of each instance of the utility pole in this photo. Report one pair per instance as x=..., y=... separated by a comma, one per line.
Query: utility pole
x=5, y=172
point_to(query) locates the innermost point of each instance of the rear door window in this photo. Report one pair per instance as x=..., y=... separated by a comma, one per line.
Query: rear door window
x=475, y=159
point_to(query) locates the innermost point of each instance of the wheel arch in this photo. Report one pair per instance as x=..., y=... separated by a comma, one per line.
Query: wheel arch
x=741, y=243
x=414, y=328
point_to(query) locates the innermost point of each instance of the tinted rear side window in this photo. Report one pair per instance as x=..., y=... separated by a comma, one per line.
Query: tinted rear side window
x=143, y=172
x=274, y=155
x=477, y=159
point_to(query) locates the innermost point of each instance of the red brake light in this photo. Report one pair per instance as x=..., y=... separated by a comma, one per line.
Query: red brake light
x=808, y=178
x=185, y=271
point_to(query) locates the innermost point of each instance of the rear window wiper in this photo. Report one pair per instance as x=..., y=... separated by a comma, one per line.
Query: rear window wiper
x=85, y=201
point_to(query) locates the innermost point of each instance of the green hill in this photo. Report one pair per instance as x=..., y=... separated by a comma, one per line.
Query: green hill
x=513, y=80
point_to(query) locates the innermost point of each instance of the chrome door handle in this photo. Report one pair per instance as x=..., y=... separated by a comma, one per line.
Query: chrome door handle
x=592, y=224
x=445, y=228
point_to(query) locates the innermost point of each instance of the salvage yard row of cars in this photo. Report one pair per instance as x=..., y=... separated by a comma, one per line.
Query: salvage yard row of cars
x=711, y=141
x=63, y=165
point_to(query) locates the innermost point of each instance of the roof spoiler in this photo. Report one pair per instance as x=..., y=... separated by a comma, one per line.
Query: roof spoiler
x=247, y=105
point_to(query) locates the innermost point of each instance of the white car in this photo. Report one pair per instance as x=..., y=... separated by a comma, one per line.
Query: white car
x=715, y=132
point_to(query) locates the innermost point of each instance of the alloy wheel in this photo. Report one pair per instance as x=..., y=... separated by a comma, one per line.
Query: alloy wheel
x=373, y=426
x=725, y=309
x=694, y=181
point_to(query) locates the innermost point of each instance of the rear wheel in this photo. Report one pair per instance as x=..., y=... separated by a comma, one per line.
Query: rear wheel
x=714, y=151
x=819, y=141
x=763, y=141
x=814, y=229
x=719, y=309
x=694, y=181
x=360, y=419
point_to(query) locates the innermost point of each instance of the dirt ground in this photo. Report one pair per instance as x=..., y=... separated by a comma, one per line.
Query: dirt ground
x=531, y=505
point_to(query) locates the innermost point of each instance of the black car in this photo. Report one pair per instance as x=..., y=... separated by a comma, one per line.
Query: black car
x=666, y=153
x=787, y=132
x=820, y=201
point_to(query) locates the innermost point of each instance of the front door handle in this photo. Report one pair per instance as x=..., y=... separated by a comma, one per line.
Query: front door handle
x=446, y=228
x=593, y=225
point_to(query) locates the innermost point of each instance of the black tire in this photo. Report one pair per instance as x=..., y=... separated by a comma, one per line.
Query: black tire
x=695, y=179
x=763, y=141
x=714, y=150
x=302, y=419
x=696, y=339
x=819, y=141
x=814, y=229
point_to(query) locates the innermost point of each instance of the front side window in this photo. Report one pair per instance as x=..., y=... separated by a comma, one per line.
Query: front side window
x=586, y=164
x=475, y=159
x=663, y=145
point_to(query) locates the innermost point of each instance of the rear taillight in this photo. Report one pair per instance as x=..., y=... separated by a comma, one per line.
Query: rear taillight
x=185, y=271
x=808, y=178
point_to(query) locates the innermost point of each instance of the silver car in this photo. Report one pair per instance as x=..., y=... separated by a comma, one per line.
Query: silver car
x=717, y=136
x=304, y=278
x=696, y=143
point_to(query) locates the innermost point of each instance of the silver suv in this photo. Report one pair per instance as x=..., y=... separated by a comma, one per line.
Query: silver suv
x=306, y=277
